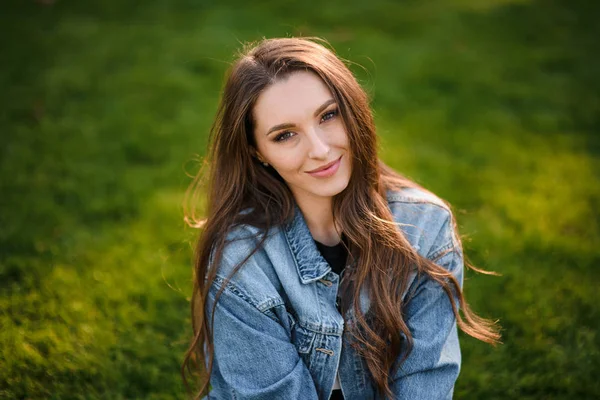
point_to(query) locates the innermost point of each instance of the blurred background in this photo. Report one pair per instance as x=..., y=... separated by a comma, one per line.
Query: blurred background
x=105, y=108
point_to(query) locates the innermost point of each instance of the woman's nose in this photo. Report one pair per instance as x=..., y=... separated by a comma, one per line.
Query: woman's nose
x=318, y=148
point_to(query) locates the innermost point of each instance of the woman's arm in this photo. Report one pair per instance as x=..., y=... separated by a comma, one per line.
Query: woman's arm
x=253, y=352
x=433, y=365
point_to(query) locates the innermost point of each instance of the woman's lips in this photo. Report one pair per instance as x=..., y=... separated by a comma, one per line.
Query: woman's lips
x=327, y=172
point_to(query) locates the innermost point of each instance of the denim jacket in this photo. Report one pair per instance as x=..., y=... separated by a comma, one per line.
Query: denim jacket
x=279, y=335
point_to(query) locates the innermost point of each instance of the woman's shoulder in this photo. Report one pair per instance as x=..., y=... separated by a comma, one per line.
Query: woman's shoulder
x=242, y=240
x=256, y=279
x=424, y=218
x=415, y=195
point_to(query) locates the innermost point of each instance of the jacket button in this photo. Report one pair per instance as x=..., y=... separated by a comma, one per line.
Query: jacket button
x=326, y=351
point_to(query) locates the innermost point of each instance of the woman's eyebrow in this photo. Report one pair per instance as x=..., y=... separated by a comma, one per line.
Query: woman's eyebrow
x=290, y=125
x=324, y=106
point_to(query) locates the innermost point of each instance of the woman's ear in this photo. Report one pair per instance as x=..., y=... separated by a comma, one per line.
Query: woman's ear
x=254, y=153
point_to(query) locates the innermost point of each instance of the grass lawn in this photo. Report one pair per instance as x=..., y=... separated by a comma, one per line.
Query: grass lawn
x=105, y=111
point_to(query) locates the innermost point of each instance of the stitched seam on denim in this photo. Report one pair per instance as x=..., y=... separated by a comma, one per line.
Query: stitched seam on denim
x=316, y=328
x=269, y=304
x=239, y=293
x=439, y=253
x=407, y=200
x=311, y=342
x=234, y=289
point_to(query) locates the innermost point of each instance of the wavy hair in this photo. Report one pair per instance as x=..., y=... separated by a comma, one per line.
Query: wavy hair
x=233, y=180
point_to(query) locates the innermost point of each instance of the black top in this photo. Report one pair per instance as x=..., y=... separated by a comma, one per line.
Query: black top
x=336, y=258
x=334, y=255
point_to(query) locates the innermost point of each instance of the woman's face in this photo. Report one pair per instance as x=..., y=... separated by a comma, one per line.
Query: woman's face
x=298, y=130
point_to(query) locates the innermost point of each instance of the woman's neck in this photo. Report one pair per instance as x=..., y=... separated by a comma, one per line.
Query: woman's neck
x=318, y=214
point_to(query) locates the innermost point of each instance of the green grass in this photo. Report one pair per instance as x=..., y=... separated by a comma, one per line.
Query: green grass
x=494, y=105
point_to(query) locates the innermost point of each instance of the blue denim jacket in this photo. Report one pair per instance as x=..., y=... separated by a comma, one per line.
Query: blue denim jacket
x=279, y=335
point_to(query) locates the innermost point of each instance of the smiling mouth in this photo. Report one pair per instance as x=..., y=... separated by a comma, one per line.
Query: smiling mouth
x=326, y=166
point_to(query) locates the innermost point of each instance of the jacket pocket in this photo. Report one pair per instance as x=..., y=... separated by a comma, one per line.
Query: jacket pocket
x=302, y=338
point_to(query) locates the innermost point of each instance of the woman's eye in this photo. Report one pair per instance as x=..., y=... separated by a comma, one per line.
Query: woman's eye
x=329, y=114
x=282, y=137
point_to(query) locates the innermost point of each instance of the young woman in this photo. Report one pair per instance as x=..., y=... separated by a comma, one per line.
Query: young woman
x=320, y=272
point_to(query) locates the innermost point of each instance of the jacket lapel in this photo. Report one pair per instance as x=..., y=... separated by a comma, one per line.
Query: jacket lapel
x=309, y=262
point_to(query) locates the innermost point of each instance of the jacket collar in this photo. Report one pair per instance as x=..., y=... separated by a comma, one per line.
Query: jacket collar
x=310, y=263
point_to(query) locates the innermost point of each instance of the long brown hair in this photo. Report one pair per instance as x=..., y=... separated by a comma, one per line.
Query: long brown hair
x=234, y=181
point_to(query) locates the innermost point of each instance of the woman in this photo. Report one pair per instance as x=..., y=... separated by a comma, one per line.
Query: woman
x=320, y=272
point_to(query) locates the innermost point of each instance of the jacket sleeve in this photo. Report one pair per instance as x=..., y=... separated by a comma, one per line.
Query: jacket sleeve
x=432, y=367
x=253, y=353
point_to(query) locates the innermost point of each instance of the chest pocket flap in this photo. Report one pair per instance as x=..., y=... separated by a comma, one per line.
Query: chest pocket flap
x=302, y=338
